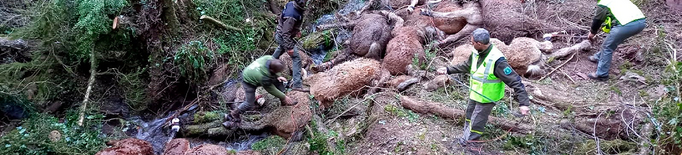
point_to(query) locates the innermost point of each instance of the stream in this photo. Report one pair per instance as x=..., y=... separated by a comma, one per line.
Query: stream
x=154, y=131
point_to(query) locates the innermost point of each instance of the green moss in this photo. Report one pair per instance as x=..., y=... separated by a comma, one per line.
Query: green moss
x=206, y=116
x=270, y=145
x=320, y=38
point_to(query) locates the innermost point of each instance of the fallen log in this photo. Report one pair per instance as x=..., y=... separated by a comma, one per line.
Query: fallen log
x=440, y=110
x=211, y=129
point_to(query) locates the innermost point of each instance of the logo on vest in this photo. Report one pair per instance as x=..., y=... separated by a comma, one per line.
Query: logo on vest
x=507, y=70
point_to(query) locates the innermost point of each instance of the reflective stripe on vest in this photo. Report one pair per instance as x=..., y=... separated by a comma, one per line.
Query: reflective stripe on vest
x=483, y=80
x=624, y=10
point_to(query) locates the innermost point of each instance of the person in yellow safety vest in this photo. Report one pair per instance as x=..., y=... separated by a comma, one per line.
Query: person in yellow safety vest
x=628, y=19
x=489, y=73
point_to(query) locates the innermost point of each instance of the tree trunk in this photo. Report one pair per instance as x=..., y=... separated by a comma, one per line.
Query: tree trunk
x=170, y=17
x=93, y=73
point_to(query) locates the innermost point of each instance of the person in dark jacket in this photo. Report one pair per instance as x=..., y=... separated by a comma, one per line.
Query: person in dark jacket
x=288, y=27
x=489, y=73
x=262, y=72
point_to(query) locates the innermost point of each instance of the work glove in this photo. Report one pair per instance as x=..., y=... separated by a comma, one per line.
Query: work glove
x=288, y=101
x=524, y=110
x=442, y=71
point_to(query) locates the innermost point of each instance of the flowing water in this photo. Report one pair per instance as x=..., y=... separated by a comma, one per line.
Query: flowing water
x=155, y=133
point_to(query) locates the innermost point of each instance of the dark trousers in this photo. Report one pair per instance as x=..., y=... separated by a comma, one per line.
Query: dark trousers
x=476, y=117
x=250, y=95
x=296, y=69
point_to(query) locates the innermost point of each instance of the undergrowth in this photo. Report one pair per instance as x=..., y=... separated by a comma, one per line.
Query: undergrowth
x=667, y=110
x=269, y=145
x=34, y=136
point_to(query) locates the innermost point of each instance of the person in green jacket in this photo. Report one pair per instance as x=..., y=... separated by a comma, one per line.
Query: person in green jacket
x=260, y=73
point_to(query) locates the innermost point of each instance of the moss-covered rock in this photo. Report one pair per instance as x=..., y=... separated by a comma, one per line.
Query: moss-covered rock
x=317, y=39
x=206, y=116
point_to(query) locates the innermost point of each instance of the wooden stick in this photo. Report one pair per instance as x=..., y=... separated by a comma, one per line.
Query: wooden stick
x=93, y=73
x=217, y=22
x=550, y=73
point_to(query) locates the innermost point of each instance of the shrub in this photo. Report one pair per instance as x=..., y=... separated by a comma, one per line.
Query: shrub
x=193, y=60
x=32, y=137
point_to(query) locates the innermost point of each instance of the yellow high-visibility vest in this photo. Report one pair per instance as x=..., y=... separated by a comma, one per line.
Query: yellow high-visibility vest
x=483, y=80
x=623, y=10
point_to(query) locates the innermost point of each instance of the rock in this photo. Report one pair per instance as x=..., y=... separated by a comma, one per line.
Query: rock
x=14, y=50
x=55, y=136
x=12, y=109
x=211, y=129
x=129, y=146
x=206, y=116
x=178, y=146
x=220, y=74
x=207, y=149
x=318, y=39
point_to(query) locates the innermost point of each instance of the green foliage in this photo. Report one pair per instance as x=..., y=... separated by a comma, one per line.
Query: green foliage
x=401, y=112
x=536, y=145
x=34, y=81
x=238, y=46
x=193, y=60
x=76, y=28
x=318, y=143
x=134, y=89
x=32, y=136
x=429, y=55
x=270, y=145
x=93, y=21
x=668, y=109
